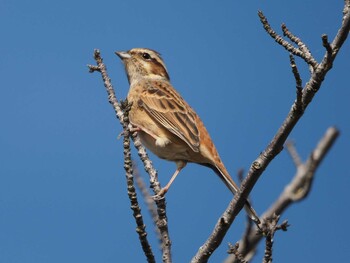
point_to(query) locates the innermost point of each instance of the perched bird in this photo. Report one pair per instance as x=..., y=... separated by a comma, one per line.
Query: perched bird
x=165, y=123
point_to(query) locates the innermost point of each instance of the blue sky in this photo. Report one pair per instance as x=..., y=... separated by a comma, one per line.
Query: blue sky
x=62, y=186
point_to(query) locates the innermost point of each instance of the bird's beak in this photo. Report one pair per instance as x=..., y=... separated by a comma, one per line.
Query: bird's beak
x=123, y=55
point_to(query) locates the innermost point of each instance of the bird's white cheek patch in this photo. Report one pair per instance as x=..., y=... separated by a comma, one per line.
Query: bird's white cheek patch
x=162, y=142
x=147, y=66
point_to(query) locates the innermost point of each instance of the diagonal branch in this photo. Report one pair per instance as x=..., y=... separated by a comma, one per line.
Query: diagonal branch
x=276, y=144
x=295, y=191
x=162, y=222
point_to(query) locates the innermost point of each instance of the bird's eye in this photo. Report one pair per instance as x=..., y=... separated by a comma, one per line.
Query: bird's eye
x=146, y=56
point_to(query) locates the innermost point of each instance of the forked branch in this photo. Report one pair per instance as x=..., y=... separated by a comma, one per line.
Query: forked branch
x=276, y=145
x=295, y=191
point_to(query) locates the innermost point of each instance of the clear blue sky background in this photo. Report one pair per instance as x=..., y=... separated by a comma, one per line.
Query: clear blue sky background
x=62, y=186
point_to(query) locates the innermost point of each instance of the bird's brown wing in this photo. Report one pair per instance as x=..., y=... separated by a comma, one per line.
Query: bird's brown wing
x=167, y=107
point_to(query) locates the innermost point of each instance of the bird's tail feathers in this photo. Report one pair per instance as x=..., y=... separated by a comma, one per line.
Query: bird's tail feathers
x=226, y=178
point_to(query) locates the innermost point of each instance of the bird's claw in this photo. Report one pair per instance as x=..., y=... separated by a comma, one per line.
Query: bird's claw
x=125, y=105
x=122, y=133
x=160, y=195
x=157, y=197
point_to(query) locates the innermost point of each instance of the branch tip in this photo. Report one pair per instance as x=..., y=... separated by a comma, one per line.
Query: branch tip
x=302, y=51
x=293, y=153
x=268, y=229
x=295, y=72
x=326, y=44
x=93, y=68
x=97, y=53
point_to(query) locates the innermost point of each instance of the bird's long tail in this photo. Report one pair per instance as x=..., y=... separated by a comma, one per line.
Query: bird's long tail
x=227, y=179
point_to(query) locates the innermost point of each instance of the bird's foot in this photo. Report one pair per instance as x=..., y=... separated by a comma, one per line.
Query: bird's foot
x=125, y=105
x=160, y=195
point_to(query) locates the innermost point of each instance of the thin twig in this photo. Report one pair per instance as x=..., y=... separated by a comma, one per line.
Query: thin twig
x=302, y=46
x=326, y=44
x=268, y=229
x=240, y=174
x=293, y=153
x=295, y=71
x=318, y=76
x=289, y=47
x=298, y=82
x=162, y=222
x=233, y=249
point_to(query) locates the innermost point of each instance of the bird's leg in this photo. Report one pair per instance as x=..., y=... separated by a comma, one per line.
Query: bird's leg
x=133, y=129
x=180, y=165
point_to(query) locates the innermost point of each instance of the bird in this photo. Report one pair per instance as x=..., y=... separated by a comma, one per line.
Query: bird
x=166, y=123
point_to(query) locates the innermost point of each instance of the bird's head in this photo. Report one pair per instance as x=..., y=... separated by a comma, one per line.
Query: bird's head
x=142, y=63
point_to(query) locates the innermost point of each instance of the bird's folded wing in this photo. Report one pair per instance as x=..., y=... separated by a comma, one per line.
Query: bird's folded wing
x=171, y=111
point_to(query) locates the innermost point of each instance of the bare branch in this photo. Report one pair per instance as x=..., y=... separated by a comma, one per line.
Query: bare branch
x=147, y=198
x=295, y=71
x=240, y=175
x=93, y=68
x=141, y=227
x=298, y=81
x=249, y=224
x=268, y=229
x=234, y=250
x=326, y=44
x=162, y=222
x=302, y=46
x=276, y=144
x=295, y=191
x=293, y=153
x=307, y=57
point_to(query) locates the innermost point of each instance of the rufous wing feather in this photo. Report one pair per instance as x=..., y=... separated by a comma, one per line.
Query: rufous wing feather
x=170, y=110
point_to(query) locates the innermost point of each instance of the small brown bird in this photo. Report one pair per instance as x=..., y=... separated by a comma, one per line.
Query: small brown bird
x=166, y=124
